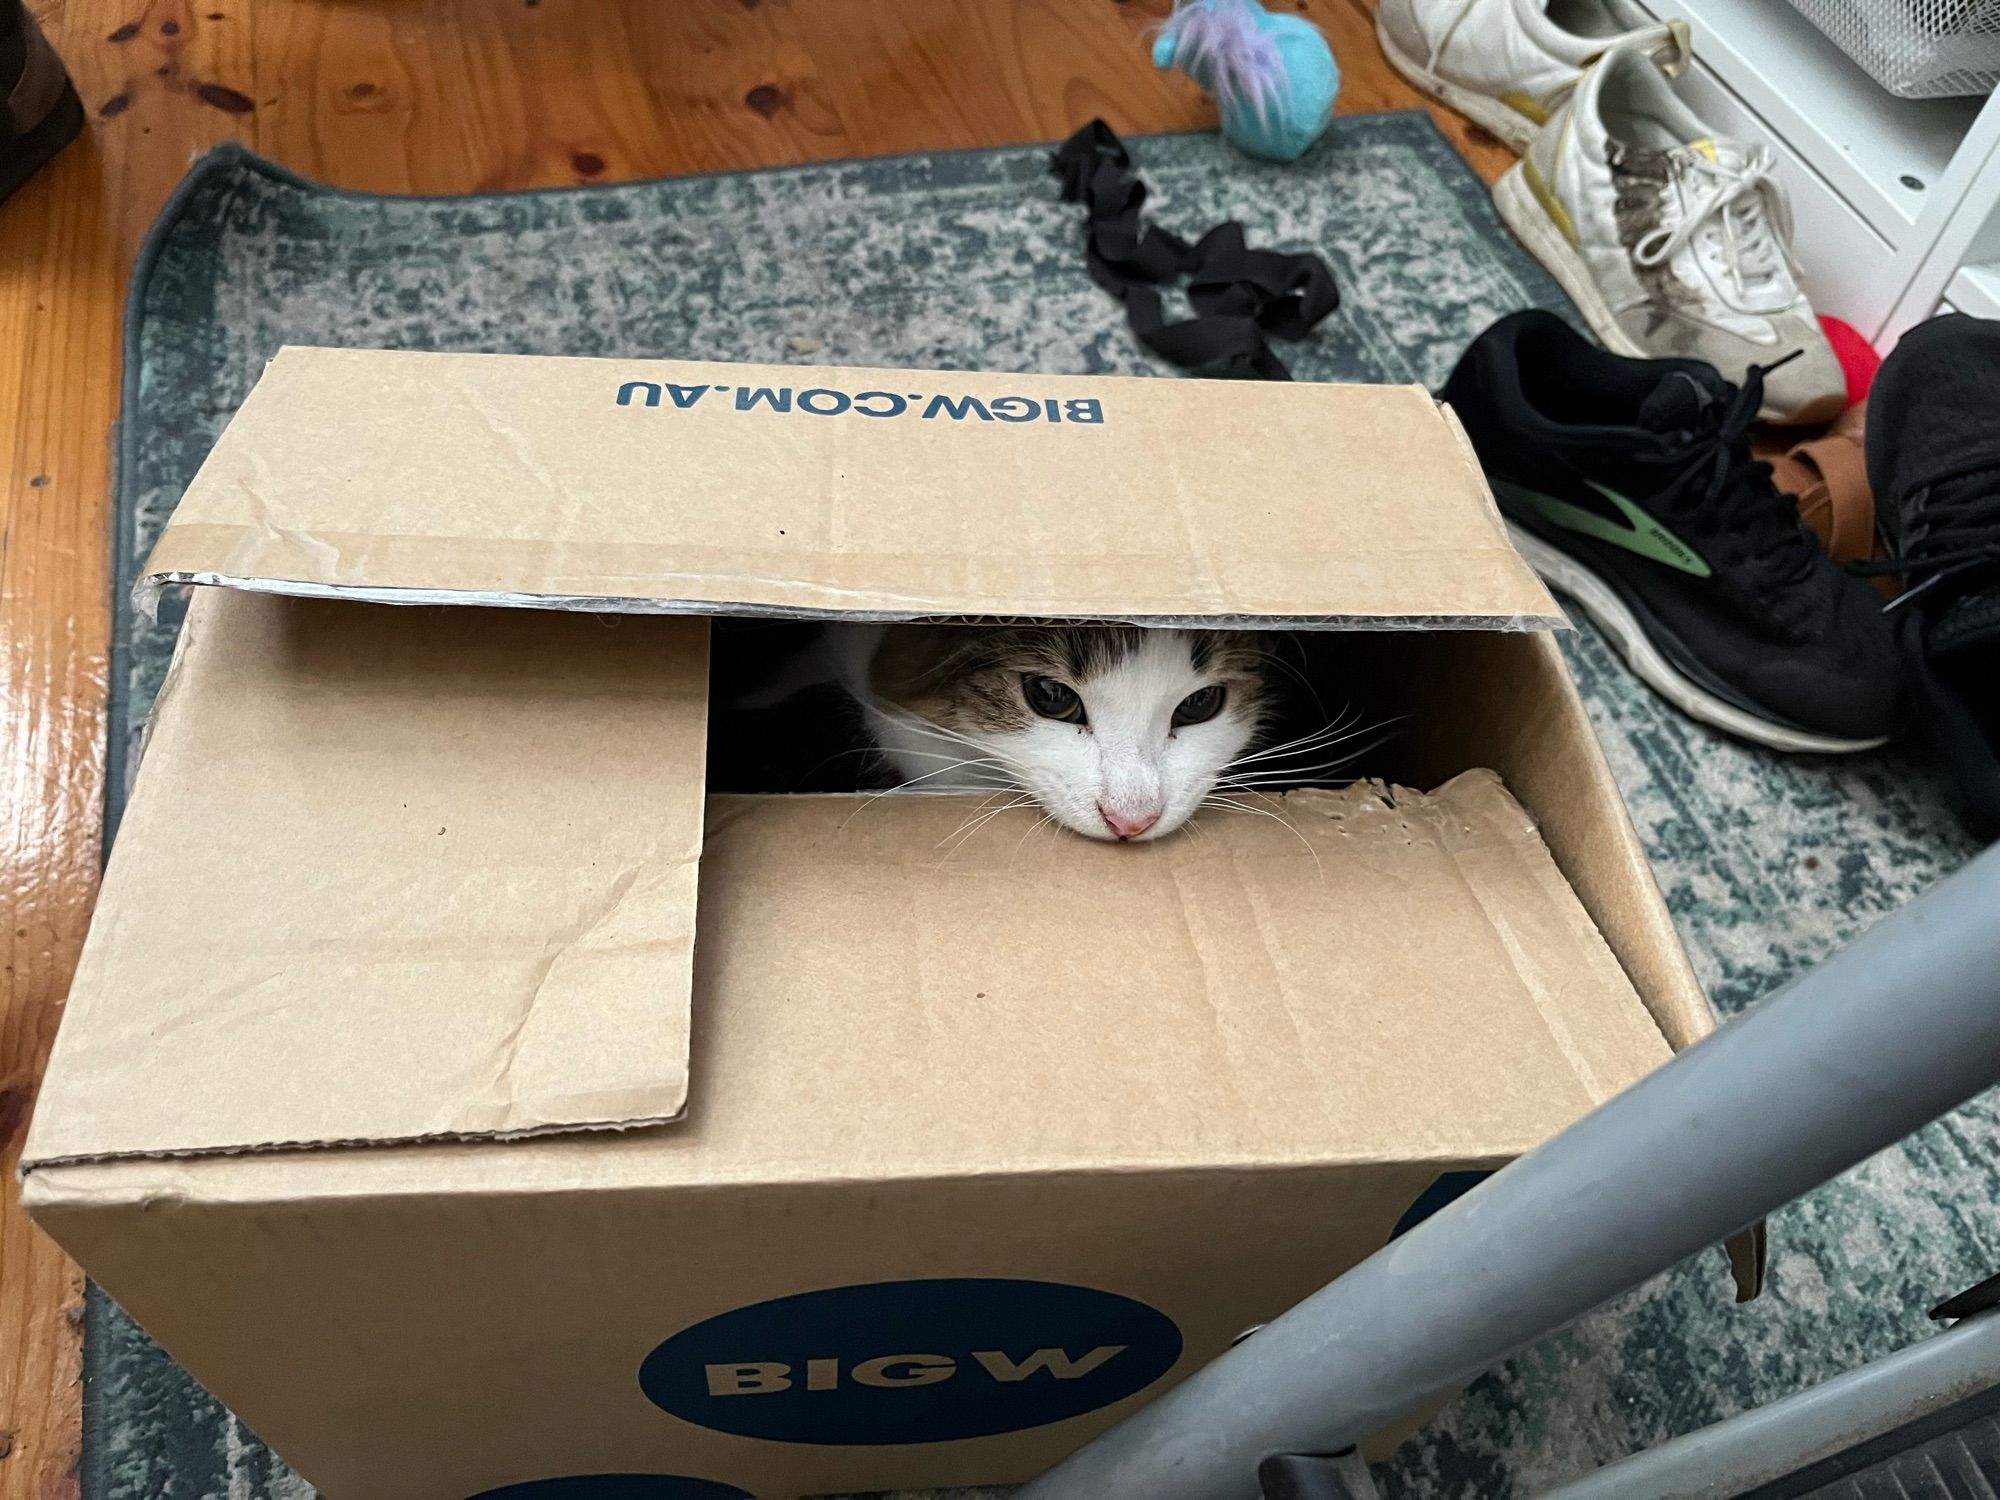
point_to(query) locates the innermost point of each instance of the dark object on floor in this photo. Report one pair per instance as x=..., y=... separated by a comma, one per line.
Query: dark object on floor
x=1963, y=1449
x=1934, y=459
x=39, y=110
x=1239, y=294
x=968, y=259
x=1628, y=483
x=1315, y=1476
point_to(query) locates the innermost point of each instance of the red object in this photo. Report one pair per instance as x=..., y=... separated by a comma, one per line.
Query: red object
x=1858, y=359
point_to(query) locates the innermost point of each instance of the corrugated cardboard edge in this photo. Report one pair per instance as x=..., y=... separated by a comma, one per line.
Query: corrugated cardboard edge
x=1672, y=976
x=1469, y=457
x=32, y=1163
x=158, y=577
x=1748, y=1249
x=1693, y=1017
x=249, y=520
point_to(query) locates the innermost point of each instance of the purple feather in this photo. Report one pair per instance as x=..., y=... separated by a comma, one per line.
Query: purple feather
x=1222, y=44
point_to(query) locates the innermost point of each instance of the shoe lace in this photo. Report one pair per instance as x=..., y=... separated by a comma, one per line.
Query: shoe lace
x=1749, y=210
x=1732, y=493
x=1951, y=537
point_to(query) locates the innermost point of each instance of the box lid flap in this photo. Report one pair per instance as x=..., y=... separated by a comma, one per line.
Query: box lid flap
x=393, y=875
x=656, y=486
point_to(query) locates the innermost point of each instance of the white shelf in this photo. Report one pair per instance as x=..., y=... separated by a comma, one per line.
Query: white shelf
x=1868, y=144
x=1976, y=290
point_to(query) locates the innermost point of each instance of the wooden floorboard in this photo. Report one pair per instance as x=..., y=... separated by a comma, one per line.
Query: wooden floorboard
x=437, y=96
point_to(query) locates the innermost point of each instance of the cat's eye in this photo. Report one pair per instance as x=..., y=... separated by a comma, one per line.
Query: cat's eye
x=1199, y=706
x=1052, y=699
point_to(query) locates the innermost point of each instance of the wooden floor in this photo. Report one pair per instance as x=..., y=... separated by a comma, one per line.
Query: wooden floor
x=406, y=96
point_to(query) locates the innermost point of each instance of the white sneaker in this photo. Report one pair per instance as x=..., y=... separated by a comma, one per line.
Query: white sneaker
x=1505, y=64
x=1670, y=242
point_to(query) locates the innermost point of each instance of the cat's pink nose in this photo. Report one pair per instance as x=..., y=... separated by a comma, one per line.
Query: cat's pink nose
x=1127, y=825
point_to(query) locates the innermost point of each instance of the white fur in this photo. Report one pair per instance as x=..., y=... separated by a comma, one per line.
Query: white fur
x=1128, y=759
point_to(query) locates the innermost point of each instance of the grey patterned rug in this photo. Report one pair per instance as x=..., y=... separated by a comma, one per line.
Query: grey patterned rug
x=967, y=260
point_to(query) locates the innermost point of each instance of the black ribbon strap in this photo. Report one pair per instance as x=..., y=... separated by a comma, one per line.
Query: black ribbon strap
x=1239, y=295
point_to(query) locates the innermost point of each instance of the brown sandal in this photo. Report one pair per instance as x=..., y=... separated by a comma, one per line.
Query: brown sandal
x=1828, y=476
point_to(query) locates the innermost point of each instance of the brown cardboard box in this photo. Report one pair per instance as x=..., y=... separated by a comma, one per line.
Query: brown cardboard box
x=469, y=1101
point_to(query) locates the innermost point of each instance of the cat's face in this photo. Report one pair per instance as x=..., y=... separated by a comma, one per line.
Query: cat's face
x=1118, y=732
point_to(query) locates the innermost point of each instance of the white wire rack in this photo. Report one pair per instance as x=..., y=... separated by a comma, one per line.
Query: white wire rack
x=1916, y=49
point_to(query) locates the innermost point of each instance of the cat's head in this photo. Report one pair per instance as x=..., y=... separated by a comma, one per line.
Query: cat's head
x=1118, y=732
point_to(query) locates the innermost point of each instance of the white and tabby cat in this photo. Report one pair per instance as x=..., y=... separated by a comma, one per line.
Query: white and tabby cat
x=1117, y=732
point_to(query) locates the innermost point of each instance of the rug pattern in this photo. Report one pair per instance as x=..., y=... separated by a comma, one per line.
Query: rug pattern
x=966, y=259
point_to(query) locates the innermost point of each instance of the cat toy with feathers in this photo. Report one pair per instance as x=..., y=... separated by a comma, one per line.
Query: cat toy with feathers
x=1273, y=76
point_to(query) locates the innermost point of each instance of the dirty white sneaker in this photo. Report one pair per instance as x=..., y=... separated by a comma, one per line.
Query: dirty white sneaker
x=1505, y=64
x=1670, y=242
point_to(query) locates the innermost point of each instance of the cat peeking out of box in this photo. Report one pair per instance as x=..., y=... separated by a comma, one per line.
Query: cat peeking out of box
x=1115, y=732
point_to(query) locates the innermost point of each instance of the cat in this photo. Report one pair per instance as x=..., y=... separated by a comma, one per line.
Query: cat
x=1119, y=733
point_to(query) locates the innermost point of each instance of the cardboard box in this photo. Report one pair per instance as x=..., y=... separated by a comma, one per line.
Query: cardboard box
x=468, y=1101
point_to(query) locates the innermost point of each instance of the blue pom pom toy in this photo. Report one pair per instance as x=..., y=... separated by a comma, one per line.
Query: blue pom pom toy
x=1273, y=76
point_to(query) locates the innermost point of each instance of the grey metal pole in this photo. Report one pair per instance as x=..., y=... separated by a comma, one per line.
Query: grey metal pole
x=1901, y=1026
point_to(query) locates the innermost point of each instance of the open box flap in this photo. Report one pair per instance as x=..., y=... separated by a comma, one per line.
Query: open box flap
x=342, y=907
x=654, y=486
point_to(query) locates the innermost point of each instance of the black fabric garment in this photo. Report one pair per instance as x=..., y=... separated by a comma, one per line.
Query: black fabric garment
x=1241, y=297
x=1933, y=450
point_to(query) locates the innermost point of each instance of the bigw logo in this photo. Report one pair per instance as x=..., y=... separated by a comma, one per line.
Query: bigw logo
x=893, y=1371
x=911, y=1361
x=822, y=401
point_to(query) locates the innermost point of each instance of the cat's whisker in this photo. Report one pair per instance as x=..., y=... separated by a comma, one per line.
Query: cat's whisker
x=861, y=750
x=952, y=852
x=944, y=770
x=873, y=797
x=1045, y=820
x=1331, y=734
x=1232, y=805
x=1378, y=733
x=984, y=803
x=934, y=754
x=960, y=836
x=1298, y=676
x=924, y=726
x=1269, y=750
x=1338, y=724
x=1297, y=775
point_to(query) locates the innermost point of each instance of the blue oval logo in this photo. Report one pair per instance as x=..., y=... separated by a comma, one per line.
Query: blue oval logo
x=911, y=1361
x=617, y=1487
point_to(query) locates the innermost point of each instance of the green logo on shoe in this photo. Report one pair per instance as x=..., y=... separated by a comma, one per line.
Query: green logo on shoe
x=1642, y=535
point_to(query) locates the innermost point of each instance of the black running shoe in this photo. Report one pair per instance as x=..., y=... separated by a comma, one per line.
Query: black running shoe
x=1628, y=485
x=1934, y=463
